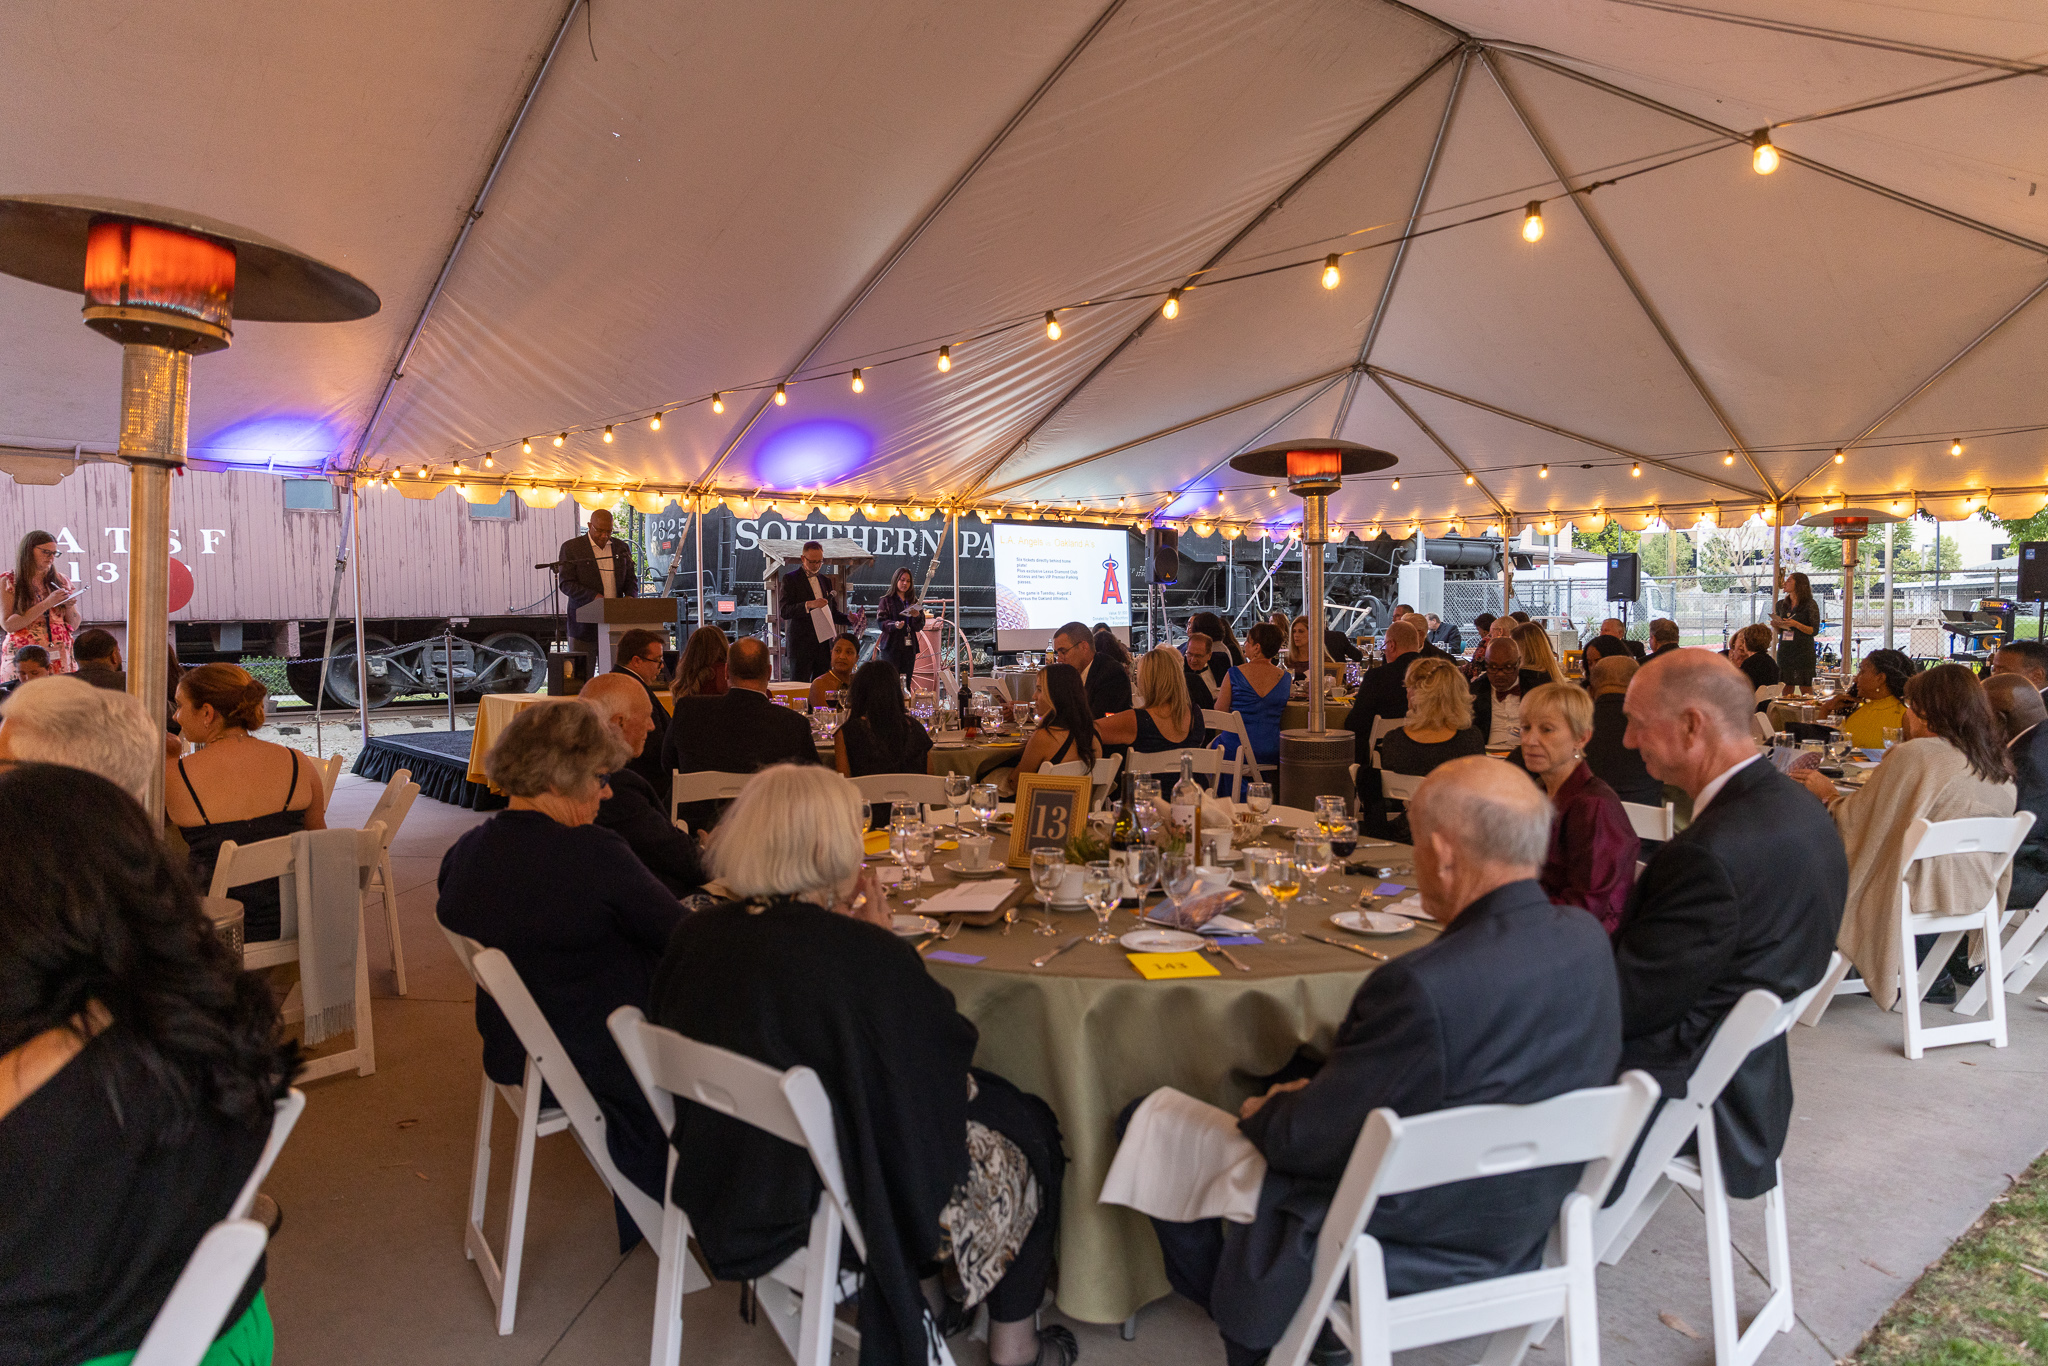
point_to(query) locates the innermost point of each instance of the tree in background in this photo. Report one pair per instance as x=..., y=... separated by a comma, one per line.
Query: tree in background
x=1612, y=539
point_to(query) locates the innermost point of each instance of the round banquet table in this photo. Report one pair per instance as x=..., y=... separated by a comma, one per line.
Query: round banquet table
x=946, y=759
x=1089, y=1035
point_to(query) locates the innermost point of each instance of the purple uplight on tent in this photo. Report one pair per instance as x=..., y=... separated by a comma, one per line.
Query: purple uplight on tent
x=278, y=440
x=806, y=455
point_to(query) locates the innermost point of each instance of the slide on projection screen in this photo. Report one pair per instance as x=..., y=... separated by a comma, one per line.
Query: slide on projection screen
x=1047, y=576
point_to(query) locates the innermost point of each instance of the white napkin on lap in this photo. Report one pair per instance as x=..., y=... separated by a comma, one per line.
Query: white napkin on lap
x=969, y=898
x=1183, y=1160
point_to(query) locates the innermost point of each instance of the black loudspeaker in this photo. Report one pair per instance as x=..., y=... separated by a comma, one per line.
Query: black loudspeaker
x=568, y=671
x=1624, y=577
x=1165, y=556
x=2033, y=557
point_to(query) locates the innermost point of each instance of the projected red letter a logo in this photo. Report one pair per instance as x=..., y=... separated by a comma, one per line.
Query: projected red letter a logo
x=1110, y=591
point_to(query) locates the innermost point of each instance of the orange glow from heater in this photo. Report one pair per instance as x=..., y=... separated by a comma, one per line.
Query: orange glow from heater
x=137, y=265
x=1308, y=464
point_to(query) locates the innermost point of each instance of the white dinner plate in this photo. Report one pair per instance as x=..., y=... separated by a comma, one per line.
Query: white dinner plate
x=911, y=926
x=1160, y=941
x=952, y=865
x=1372, y=922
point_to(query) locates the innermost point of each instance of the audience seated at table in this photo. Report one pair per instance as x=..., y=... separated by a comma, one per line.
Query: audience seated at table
x=1515, y=1002
x=1663, y=639
x=1223, y=640
x=1951, y=765
x=700, y=669
x=941, y=1159
x=640, y=655
x=1107, y=684
x=99, y=660
x=2021, y=712
x=138, y=1070
x=1877, y=702
x=632, y=809
x=1443, y=635
x=1382, y=696
x=1066, y=723
x=1341, y=649
x=1482, y=631
x=1607, y=753
x=738, y=731
x=1613, y=628
x=2027, y=658
x=237, y=787
x=1599, y=648
x=1498, y=692
x=1748, y=895
x=827, y=687
x=581, y=918
x=61, y=720
x=1749, y=650
x=1167, y=721
x=1113, y=651
x=1201, y=684
x=1258, y=691
x=1593, y=849
x=1437, y=729
x=1538, y=658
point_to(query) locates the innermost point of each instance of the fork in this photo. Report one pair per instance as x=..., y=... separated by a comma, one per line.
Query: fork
x=1211, y=946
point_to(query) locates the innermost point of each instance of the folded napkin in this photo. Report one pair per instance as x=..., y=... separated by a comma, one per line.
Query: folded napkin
x=969, y=898
x=1196, y=911
x=325, y=913
x=1182, y=1160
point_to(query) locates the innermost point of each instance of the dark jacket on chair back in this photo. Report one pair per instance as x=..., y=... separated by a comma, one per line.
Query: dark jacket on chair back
x=1748, y=895
x=1613, y=762
x=740, y=731
x=2030, y=772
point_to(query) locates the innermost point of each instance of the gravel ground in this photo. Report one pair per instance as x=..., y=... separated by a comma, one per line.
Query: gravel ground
x=343, y=735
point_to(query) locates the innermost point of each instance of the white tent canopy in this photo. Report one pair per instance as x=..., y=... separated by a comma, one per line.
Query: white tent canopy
x=717, y=198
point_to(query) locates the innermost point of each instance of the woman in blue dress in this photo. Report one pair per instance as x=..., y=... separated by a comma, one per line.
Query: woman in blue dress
x=1257, y=690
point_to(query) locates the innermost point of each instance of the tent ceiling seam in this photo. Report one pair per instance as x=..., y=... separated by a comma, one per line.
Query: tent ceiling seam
x=1445, y=447
x=1272, y=207
x=1635, y=287
x=469, y=221
x=1379, y=312
x=1924, y=385
x=1569, y=435
x=1246, y=445
x=931, y=216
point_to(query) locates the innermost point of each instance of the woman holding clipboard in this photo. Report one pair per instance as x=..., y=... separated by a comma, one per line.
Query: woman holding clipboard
x=38, y=605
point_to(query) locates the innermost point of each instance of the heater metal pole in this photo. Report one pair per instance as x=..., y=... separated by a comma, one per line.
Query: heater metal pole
x=1315, y=533
x=698, y=536
x=156, y=388
x=355, y=569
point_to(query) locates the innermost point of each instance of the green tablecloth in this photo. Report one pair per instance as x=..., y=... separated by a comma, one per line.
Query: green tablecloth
x=1089, y=1035
x=966, y=759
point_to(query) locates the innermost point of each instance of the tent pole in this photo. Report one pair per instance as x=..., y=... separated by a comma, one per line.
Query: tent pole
x=355, y=569
x=698, y=537
x=1777, y=555
x=1507, y=566
x=966, y=670
x=156, y=388
x=1888, y=586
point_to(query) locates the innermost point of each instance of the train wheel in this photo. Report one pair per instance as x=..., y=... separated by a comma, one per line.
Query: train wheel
x=341, y=673
x=504, y=675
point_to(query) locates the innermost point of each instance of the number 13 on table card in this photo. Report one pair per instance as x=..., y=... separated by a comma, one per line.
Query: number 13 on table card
x=1051, y=808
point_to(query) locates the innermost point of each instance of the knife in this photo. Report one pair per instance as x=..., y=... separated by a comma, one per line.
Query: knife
x=1045, y=958
x=1340, y=944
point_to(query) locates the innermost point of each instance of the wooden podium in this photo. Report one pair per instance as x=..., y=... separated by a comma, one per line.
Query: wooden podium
x=613, y=617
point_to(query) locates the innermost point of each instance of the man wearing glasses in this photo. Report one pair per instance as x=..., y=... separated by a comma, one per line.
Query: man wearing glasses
x=807, y=600
x=1497, y=695
x=1109, y=687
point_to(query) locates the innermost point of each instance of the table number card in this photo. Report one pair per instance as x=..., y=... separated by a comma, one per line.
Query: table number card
x=1051, y=807
x=1154, y=967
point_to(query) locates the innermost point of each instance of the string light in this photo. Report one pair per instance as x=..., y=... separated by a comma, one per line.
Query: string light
x=1332, y=277
x=1543, y=472
x=421, y=473
x=1955, y=448
x=654, y=423
x=560, y=437
x=490, y=463
x=1728, y=459
x=1052, y=326
x=860, y=386
x=945, y=359
x=1765, y=158
x=782, y=395
x=607, y=435
x=1635, y=471
x=1171, y=308
x=526, y=446
x=1397, y=481
x=1532, y=221
x=1470, y=480
x=718, y=403
x=1841, y=456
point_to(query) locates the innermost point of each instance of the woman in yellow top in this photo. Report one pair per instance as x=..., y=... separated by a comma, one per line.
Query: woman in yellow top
x=1879, y=701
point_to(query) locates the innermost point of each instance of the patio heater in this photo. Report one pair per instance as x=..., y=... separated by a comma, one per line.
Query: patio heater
x=1849, y=526
x=167, y=285
x=1314, y=763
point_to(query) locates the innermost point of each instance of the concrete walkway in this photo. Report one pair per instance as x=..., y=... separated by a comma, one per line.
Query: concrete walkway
x=1889, y=1162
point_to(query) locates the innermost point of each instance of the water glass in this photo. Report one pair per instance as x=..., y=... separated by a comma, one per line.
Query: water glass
x=1099, y=887
x=1259, y=797
x=1330, y=810
x=1892, y=736
x=917, y=852
x=1312, y=857
x=1048, y=870
x=900, y=827
x=1145, y=789
x=983, y=797
x=1283, y=884
x=1142, y=865
x=956, y=793
x=1177, y=873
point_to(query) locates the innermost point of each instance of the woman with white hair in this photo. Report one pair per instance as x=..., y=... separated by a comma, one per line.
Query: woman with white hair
x=943, y=1161
x=1592, y=859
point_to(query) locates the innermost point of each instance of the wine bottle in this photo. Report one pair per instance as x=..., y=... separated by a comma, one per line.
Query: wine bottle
x=1123, y=837
x=1187, y=800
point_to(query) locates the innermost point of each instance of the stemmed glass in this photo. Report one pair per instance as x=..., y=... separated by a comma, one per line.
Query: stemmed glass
x=1259, y=797
x=956, y=794
x=1280, y=883
x=982, y=797
x=903, y=818
x=1343, y=842
x=1142, y=861
x=917, y=851
x=1099, y=888
x=1177, y=876
x=1329, y=810
x=1048, y=870
x=1312, y=857
x=1258, y=864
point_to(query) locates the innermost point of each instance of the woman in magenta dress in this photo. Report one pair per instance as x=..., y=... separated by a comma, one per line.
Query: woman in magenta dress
x=33, y=607
x=1593, y=848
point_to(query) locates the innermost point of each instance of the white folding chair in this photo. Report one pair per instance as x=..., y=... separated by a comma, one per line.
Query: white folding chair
x=1249, y=770
x=575, y=1109
x=800, y=1294
x=267, y=860
x=1072, y=768
x=390, y=812
x=192, y=1316
x=1770, y=691
x=705, y=785
x=283, y=1119
x=2025, y=951
x=1652, y=822
x=1764, y=730
x=1399, y=787
x=1997, y=836
x=924, y=788
x=330, y=774
x=1208, y=762
x=1103, y=780
x=1394, y=1155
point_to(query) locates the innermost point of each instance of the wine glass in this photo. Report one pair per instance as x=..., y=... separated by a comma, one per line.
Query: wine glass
x=917, y=852
x=1048, y=870
x=1145, y=789
x=1177, y=876
x=1312, y=857
x=1260, y=870
x=1329, y=810
x=900, y=826
x=1259, y=797
x=1099, y=889
x=1283, y=884
x=956, y=793
x=1343, y=841
x=982, y=797
x=1143, y=863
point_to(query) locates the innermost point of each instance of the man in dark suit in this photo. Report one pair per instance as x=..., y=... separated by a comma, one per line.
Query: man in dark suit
x=1201, y=683
x=1515, y=1002
x=592, y=567
x=1109, y=687
x=1613, y=627
x=806, y=588
x=640, y=656
x=1498, y=692
x=1382, y=695
x=1612, y=761
x=1444, y=636
x=634, y=808
x=2019, y=706
x=99, y=660
x=739, y=732
x=1663, y=639
x=1748, y=895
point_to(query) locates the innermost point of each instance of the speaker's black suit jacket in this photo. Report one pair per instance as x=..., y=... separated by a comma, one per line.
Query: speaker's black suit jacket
x=1748, y=895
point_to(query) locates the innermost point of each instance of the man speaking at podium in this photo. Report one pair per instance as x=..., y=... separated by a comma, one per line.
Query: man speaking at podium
x=592, y=567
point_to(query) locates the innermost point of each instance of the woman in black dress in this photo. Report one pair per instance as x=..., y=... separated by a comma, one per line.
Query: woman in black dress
x=902, y=619
x=881, y=736
x=1797, y=622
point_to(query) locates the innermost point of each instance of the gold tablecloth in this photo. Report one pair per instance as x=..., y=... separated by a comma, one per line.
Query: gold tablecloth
x=494, y=712
x=1089, y=1035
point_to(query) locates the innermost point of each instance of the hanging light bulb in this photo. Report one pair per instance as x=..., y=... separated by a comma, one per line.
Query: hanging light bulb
x=421, y=473
x=1728, y=459
x=1052, y=326
x=782, y=395
x=945, y=359
x=654, y=423
x=1841, y=456
x=458, y=469
x=560, y=437
x=718, y=403
x=860, y=386
x=1955, y=448
x=1332, y=277
x=1171, y=308
x=1532, y=221
x=1543, y=472
x=1397, y=481
x=526, y=446
x=607, y=434
x=490, y=462
x=1765, y=158
x=1635, y=471
x=1469, y=480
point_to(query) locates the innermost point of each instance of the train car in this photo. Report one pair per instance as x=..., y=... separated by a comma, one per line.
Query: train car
x=253, y=574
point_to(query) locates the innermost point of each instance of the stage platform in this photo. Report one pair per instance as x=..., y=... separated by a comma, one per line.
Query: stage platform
x=439, y=761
